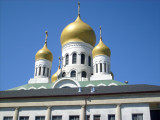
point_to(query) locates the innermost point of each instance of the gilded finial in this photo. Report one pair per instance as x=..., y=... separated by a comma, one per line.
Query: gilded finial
x=46, y=37
x=59, y=62
x=100, y=33
x=78, y=8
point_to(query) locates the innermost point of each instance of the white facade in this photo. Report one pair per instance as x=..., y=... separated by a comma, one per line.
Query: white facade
x=126, y=111
x=42, y=71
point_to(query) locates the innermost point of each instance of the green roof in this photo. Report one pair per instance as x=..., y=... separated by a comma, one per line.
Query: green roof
x=82, y=84
x=100, y=82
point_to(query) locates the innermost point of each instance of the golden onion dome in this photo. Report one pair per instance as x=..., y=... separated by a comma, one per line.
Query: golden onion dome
x=101, y=48
x=44, y=53
x=78, y=31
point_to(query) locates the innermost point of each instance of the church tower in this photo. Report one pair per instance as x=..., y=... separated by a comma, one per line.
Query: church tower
x=101, y=61
x=43, y=65
x=77, y=40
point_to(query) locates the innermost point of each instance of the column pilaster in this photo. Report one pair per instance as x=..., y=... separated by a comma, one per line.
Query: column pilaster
x=16, y=112
x=118, y=112
x=83, y=112
x=48, y=115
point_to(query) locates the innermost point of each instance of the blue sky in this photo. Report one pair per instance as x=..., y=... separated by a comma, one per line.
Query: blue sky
x=130, y=28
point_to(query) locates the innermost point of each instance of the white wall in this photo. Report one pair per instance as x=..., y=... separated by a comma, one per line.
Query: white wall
x=103, y=75
x=128, y=109
x=6, y=112
x=41, y=78
x=102, y=110
x=65, y=111
x=32, y=112
x=77, y=47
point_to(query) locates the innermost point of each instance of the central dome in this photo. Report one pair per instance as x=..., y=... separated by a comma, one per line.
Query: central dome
x=78, y=31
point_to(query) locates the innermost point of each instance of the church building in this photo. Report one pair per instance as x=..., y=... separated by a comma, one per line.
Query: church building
x=83, y=88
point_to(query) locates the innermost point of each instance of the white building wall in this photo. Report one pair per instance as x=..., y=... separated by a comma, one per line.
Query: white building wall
x=102, y=110
x=128, y=109
x=65, y=111
x=79, y=48
x=32, y=112
x=6, y=112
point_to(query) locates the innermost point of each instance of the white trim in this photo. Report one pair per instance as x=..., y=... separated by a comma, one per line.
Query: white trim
x=63, y=79
x=42, y=87
x=101, y=84
x=31, y=88
x=112, y=84
x=22, y=88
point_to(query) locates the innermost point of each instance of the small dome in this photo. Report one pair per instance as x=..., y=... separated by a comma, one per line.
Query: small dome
x=101, y=49
x=44, y=53
x=78, y=31
x=54, y=76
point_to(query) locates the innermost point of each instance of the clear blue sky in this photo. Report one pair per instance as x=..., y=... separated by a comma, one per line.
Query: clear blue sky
x=130, y=28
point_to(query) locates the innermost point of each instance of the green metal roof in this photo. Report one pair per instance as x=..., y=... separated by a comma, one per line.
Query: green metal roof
x=82, y=84
x=100, y=82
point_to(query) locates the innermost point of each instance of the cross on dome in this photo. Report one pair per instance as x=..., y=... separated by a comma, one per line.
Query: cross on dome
x=46, y=37
x=78, y=8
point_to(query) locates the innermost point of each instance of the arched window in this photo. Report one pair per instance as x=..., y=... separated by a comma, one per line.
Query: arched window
x=89, y=61
x=100, y=67
x=84, y=74
x=104, y=67
x=74, y=58
x=47, y=72
x=63, y=74
x=67, y=59
x=82, y=59
x=96, y=68
x=44, y=71
x=39, y=70
x=73, y=74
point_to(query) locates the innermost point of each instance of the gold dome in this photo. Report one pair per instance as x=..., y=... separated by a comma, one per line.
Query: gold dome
x=78, y=31
x=101, y=48
x=54, y=76
x=44, y=53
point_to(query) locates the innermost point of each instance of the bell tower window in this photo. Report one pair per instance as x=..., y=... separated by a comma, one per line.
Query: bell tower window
x=100, y=67
x=104, y=67
x=74, y=58
x=89, y=61
x=39, y=70
x=44, y=71
x=67, y=59
x=82, y=59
